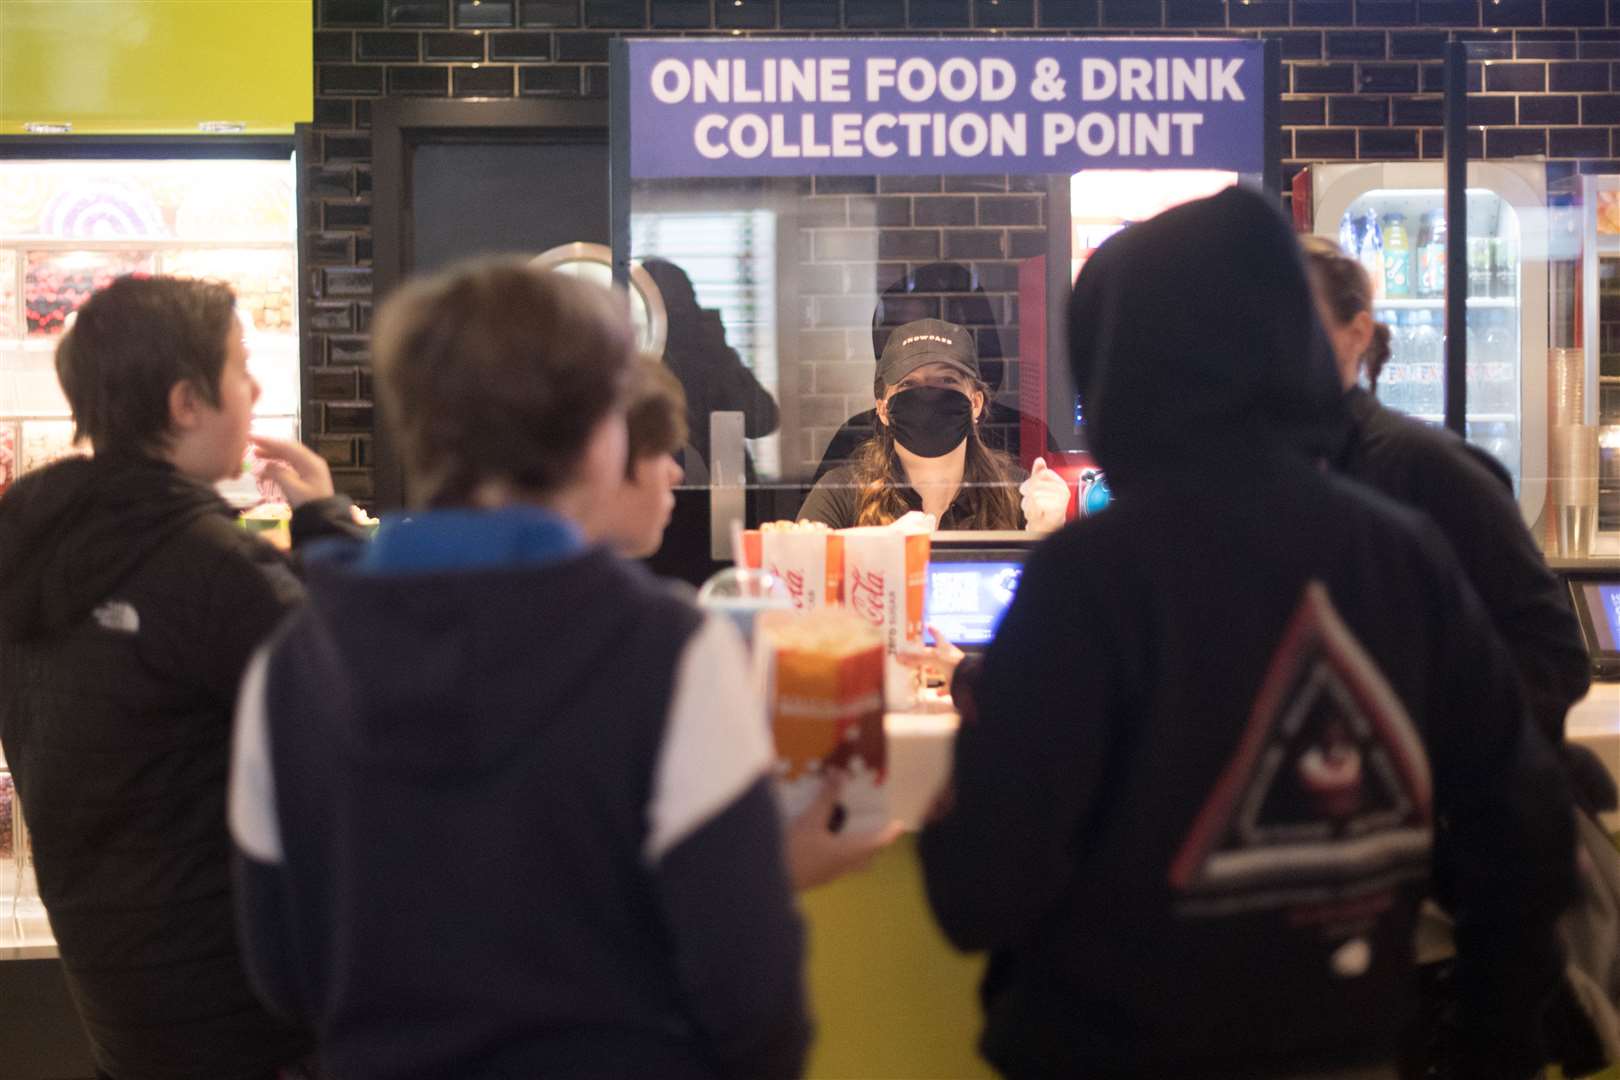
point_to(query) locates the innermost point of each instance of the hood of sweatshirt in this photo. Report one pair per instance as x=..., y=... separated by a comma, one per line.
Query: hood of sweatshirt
x=71, y=532
x=441, y=654
x=1194, y=333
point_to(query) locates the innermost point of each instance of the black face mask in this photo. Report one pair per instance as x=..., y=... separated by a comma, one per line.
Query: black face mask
x=930, y=421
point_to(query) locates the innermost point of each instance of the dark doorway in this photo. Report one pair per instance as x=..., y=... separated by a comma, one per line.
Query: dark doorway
x=455, y=179
x=479, y=198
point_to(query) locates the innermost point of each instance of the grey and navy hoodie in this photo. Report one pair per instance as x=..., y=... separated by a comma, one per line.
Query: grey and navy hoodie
x=503, y=807
x=1234, y=730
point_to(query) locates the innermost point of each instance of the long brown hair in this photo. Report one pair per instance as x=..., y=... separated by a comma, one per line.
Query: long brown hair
x=987, y=497
x=1343, y=283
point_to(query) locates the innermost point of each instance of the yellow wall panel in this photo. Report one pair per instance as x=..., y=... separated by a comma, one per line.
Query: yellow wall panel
x=155, y=66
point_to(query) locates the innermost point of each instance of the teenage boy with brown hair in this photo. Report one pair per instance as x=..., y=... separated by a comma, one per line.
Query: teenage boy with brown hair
x=129, y=604
x=634, y=516
x=503, y=798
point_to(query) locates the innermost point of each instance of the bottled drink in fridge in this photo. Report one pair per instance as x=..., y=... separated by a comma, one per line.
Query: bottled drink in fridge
x=1504, y=268
x=1400, y=371
x=1479, y=266
x=1428, y=358
x=1419, y=285
x=1499, y=351
x=1397, y=257
x=1392, y=382
x=1349, y=235
x=1371, y=253
x=1476, y=373
x=1498, y=438
x=1432, y=254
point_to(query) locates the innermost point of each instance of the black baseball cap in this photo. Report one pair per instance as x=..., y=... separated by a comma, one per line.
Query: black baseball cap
x=927, y=341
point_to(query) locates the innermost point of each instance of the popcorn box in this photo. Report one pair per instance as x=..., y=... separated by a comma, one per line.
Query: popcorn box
x=885, y=583
x=823, y=678
x=808, y=559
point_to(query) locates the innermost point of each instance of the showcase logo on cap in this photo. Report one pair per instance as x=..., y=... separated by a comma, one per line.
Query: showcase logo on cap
x=927, y=341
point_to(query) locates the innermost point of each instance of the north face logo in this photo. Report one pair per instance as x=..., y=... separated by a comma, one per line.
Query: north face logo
x=1328, y=790
x=117, y=616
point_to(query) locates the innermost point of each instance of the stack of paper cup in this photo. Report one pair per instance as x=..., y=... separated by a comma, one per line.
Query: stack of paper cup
x=1573, y=478
x=1572, y=458
x=1566, y=387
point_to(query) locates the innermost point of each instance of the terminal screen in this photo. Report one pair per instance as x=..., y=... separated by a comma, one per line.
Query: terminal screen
x=967, y=599
x=1604, y=602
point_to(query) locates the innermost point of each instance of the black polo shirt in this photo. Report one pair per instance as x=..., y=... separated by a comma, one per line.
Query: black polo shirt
x=834, y=498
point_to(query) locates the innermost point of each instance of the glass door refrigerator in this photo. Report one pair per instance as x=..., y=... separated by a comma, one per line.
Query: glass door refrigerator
x=1391, y=217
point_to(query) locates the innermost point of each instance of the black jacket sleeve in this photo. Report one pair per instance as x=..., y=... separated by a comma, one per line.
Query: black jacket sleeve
x=1470, y=497
x=264, y=926
x=1523, y=598
x=246, y=593
x=737, y=942
x=323, y=519
x=1504, y=839
x=1021, y=786
x=249, y=587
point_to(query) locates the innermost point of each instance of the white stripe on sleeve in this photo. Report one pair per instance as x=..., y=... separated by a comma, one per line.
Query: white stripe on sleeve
x=715, y=742
x=251, y=807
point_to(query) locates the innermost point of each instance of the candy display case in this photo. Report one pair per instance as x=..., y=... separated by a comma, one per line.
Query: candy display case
x=24, y=929
x=55, y=283
x=69, y=227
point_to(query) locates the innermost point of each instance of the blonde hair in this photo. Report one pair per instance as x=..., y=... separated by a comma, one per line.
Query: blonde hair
x=494, y=372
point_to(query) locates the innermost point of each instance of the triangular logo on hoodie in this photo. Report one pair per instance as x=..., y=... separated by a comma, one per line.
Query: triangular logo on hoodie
x=1328, y=794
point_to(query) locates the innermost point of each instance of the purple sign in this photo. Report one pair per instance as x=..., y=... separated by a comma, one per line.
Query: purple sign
x=899, y=105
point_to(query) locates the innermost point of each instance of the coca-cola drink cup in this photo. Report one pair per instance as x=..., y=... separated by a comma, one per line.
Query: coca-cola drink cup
x=885, y=582
x=808, y=560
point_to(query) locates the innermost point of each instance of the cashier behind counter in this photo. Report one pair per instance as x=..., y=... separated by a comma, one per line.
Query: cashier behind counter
x=926, y=453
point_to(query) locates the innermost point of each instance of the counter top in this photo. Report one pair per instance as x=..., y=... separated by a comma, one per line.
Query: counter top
x=25, y=932
x=1594, y=722
x=920, y=749
x=919, y=765
x=919, y=761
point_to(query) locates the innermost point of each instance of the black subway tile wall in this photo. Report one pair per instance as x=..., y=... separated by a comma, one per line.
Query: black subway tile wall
x=1362, y=82
x=548, y=12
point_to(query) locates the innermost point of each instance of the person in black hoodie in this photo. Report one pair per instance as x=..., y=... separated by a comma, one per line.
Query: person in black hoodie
x=1464, y=489
x=129, y=604
x=1469, y=496
x=1229, y=727
x=503, y=797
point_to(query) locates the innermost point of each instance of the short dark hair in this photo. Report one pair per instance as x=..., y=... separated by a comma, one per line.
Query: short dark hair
x=656, y=417
x=494, y=371
x=129, y=344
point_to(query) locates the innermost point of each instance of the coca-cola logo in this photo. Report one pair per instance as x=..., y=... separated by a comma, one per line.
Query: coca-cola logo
x=866, y=594
x=794, y=579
